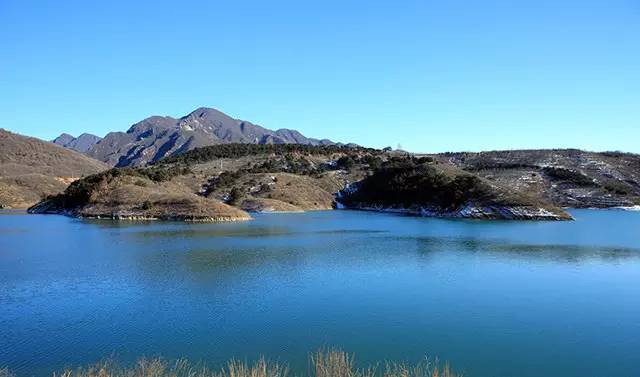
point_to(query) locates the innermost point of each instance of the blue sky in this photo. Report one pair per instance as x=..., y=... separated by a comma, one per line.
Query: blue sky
x=429, y=75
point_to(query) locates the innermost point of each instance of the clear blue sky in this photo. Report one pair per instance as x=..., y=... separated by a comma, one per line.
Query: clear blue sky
x=430, y=75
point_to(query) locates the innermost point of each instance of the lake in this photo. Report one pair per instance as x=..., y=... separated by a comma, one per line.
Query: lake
x=495, y=298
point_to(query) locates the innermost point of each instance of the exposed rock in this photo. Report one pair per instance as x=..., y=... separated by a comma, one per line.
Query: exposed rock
x=474, y=212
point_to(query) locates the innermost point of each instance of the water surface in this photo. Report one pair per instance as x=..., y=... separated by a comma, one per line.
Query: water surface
x=495, y=298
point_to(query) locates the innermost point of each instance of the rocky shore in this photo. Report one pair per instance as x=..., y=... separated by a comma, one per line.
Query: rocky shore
x=472, y=212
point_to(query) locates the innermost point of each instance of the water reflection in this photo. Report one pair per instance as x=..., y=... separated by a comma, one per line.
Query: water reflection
x=383, y=286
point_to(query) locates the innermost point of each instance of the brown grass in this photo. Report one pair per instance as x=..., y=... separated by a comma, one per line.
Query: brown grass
x=332, y=363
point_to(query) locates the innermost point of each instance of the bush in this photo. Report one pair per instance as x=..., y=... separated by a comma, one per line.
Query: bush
x=235, y=196
x=562, y=174
x=345, y=162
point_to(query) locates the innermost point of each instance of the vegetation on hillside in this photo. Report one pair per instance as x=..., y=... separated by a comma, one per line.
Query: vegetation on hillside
x=293, y=163
x=79, y=192
x=566, y=175
x=333, y=363
x=31, y=169
x=410, y=181
x=237, y=150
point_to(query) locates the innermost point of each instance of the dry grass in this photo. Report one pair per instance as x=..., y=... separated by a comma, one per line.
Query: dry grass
x=332, y=363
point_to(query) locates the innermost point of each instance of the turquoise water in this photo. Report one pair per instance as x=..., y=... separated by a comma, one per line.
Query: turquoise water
x=493, y=298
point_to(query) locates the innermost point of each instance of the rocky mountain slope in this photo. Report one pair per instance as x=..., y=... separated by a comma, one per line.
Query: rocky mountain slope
x=157, y=137
x=568, y=177
x=31, y=169
x=82, y=143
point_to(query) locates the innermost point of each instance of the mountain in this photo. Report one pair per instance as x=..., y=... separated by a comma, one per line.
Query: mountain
x=82, y=143
x=31, y=169
x=156, y=137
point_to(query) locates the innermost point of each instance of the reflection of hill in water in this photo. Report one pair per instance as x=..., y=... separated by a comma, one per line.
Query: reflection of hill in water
x=555, y=252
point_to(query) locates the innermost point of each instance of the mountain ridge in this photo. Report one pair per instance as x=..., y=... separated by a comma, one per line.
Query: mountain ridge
x=82, y=143
x=156, y=137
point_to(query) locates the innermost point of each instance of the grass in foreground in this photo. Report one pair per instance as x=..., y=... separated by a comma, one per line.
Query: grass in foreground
x=334, y=363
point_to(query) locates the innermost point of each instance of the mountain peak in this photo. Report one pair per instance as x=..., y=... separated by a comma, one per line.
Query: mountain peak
x=157, y=137
x=81, y=144
x=63, y=139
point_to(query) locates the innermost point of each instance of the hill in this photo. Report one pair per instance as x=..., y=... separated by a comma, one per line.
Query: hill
x=157, y=137
x=422, y=186
x=566, y=177
x=31, y=169
x=291, y=177
x=130, y=194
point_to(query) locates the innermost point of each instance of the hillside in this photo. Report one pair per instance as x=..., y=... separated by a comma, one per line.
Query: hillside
x=130, y=194
x=157, y=137
x=232, y=177
x=422, y=186
x=31, y=169
x=292, y=178
x=568, y=177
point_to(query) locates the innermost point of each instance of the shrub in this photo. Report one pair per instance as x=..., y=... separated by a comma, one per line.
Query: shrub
x=562, y=174
x=236, y=150
x=235, y=196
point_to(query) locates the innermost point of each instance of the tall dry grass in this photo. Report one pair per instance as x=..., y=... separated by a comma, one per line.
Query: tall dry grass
x=332, y=363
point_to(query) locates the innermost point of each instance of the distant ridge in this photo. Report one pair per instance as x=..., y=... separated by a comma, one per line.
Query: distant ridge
x=82, y=143
x=160, y=136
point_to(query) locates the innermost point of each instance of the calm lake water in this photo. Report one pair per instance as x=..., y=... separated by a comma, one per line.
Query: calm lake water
x=493, y=298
